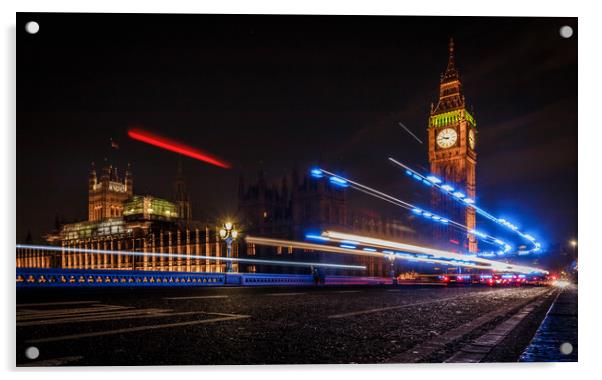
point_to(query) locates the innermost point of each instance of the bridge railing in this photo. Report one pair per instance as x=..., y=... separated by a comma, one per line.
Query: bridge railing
x=58, y=277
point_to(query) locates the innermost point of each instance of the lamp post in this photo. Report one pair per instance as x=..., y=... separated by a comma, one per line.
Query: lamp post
x=228, y=234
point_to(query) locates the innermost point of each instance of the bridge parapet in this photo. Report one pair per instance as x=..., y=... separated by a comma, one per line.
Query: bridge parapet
x=58, y=277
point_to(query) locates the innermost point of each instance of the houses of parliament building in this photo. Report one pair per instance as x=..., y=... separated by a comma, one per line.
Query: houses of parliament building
x=153, y=233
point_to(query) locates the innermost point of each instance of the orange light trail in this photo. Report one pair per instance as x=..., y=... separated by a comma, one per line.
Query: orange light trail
x=173, y=146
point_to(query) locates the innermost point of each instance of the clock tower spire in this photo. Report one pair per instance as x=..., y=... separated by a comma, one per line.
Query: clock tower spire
x=452, y=156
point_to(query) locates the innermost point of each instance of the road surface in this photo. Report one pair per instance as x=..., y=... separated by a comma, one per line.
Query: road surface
x=359, y=324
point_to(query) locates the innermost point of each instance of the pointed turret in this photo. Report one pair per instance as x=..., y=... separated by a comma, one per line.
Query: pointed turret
x=92, y=177
x=261, y=181
x=450, y=72
x=284, y=188
x=450, y=88
x=129, y=180
x=106, y=172
x=180, y=196
x=295, y=178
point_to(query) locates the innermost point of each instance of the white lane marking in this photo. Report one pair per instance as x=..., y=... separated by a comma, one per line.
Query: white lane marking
x=86, y=315
x=145, y=313
x=377, y=310
x=69, y=310
x=37, y=314
x=194, y=297
x=283, y=294
x=55, y=303
x=136, y=329
x=346, y=291
x=52, y=362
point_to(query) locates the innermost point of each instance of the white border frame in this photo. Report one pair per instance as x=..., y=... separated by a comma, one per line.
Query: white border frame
x=589, y=30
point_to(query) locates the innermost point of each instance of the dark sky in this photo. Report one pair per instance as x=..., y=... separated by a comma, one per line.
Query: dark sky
x=279, y=90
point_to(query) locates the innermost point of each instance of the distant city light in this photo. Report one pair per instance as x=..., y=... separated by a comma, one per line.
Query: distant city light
x=561, y=283
x=173, y=146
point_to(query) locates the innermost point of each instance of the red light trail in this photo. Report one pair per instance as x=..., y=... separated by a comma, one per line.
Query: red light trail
x=173, y=146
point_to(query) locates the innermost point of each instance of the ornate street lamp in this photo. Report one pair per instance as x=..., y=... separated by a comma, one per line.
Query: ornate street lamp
x=228, y=234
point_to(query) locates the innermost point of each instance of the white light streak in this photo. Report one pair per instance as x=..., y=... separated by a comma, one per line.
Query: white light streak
x=184, y=256
x=408, y=206
x=410, y=132
x=435, y=253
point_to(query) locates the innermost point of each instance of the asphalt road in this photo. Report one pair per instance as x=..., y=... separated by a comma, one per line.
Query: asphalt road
x=291, y=325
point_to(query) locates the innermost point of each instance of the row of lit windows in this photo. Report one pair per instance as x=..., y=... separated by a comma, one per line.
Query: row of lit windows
x=114, y=211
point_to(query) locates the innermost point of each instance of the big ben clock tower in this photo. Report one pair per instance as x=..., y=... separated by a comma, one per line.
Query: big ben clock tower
x=452, y=156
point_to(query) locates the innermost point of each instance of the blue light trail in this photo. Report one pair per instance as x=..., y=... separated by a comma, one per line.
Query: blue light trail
x=469, y=202
x=398, y=202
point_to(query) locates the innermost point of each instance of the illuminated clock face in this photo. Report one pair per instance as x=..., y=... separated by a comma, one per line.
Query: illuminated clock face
x=447, y=138
x=471, y=139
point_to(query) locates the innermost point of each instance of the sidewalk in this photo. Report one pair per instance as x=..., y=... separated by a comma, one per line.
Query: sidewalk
x=559, y=326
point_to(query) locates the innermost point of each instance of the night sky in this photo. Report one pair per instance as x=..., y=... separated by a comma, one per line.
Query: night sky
x=272, y=91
